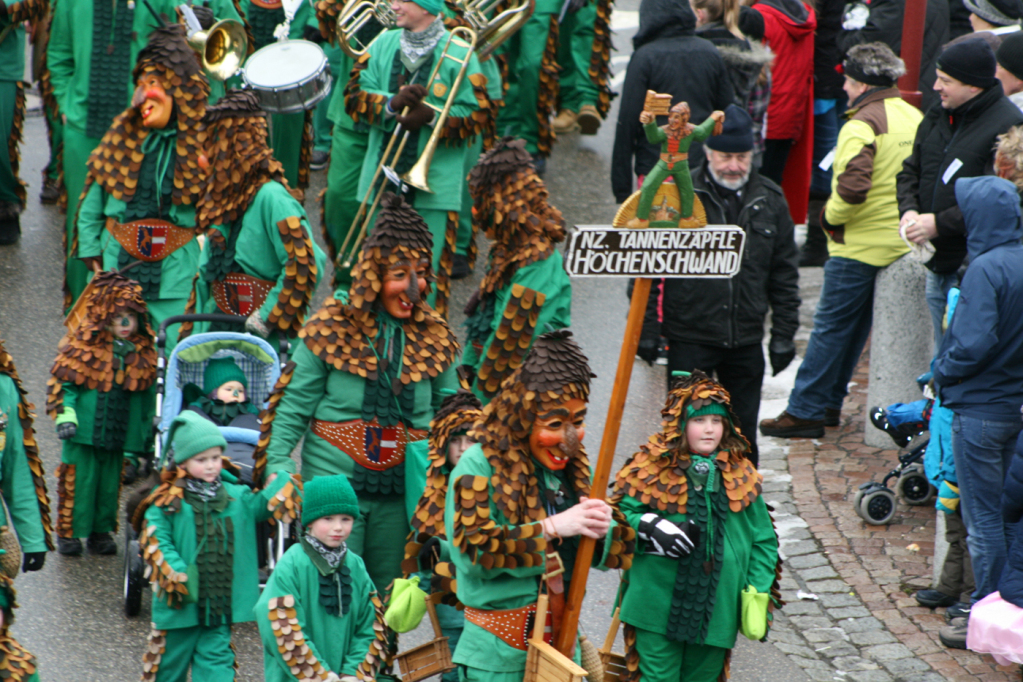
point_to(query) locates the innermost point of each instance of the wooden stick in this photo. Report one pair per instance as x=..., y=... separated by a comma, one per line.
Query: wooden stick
x=565, y=642
x=540, y=622
x=612, y=633
x=432, y=610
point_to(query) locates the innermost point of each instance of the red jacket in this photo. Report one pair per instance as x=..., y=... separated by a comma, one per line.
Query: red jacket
x=788, y=30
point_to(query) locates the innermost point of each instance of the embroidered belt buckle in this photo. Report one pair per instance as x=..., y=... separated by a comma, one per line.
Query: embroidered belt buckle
x=511, y=626
x=555, y=568
x=149, y=240
x=240, y=294
x=371, y=445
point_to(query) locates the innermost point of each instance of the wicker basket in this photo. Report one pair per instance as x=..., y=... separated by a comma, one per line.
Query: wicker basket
x=10, y=561
x=614, y=663
x=426, y=660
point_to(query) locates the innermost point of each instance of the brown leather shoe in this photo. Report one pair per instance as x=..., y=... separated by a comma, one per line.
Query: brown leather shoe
x=565, y=122
x=589, y=120
x=787, y=426
x=832, y=417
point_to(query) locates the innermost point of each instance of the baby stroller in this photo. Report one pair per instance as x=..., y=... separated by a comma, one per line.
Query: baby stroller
x=261, y=366
x=875, y=502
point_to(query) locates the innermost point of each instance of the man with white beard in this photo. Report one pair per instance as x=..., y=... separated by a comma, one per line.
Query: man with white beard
x=717, y=325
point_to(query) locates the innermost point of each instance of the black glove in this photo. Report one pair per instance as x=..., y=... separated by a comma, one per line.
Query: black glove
x=418, y=116
x=647, y=350
x=666, y=538
x=66, y=431
x=782, y=352
x=313, y=35
x=429, y=554
x=408, y=96
x=33, y=561
x=130, y=474
x=205, y=16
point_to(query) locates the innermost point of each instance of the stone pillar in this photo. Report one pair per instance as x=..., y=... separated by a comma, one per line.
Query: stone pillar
x=902, y=341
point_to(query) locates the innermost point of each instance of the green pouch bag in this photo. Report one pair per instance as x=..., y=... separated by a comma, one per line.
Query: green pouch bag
x=754, y=613
x=192, y=584
x=408, y=605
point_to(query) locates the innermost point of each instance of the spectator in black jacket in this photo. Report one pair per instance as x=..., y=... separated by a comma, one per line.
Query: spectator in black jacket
x=885, y=25
x=717, y=325
x=668, y=58
x=955, y=140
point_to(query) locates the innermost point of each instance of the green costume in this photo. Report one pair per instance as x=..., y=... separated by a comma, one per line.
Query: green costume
x=584, y=55
x=103, y=425
x=682, y=614
x=496, y=504
x=16, y=662
x=92, y=47
x=362, y=391
x=163, y=183
x=525, y=290
x=678, y=170
x=376, y=77
x=53, y=173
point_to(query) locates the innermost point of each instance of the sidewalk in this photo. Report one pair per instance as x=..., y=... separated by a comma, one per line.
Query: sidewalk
x=851, y=614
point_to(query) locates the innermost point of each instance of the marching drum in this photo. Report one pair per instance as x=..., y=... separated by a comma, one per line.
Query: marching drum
x=289, y=76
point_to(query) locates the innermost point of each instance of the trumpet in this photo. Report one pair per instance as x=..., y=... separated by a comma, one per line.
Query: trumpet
x=355, y=16
x=418, y=175
x=508, y=17
x=222, y=48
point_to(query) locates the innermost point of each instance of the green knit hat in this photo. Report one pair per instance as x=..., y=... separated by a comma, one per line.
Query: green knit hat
x=327, y=495
x=710, y=408
x=219, y=371
x=191, y=433
x=431, y=6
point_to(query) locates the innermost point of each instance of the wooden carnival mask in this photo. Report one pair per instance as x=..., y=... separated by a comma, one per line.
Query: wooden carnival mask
x=152, y=100
x=557, y=433
x=404, y=286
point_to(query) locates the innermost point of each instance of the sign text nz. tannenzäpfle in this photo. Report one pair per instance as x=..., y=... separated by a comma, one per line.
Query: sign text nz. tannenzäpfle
x=714, y=251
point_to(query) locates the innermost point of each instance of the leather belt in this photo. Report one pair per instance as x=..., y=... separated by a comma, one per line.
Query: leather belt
x=149, y=240
x=371, y=445
x=512, y=626
x=672, y=159
x=240, y=294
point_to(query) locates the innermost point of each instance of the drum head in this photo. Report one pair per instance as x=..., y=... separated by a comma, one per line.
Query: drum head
x=280, y=65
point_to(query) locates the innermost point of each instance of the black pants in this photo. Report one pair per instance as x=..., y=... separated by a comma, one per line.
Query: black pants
x=776, y=155
x=739, y=370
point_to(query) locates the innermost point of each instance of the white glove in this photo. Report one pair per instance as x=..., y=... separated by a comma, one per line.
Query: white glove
x=255, y=325
x=666, y=538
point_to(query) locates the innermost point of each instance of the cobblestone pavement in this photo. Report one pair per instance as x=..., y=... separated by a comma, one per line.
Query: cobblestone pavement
x=851, y=614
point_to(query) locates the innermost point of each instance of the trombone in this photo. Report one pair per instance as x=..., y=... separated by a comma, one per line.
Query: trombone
x=418, y=175
x=493, y=31
x=221, y=49
x=356, y=15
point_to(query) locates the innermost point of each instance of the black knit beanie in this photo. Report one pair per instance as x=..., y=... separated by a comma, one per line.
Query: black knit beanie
x=1010, y=54
x=972, y=62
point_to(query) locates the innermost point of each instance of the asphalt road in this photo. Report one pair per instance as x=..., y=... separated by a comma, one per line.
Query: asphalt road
x=71, y=614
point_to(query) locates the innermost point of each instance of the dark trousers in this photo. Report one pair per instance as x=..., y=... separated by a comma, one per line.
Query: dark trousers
x=956, y=577
x=739, y=370
x=776, y=155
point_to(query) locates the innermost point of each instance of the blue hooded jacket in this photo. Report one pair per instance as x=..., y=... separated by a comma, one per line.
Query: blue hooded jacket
x=979, y=368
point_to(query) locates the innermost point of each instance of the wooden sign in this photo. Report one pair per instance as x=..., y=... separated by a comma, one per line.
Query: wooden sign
x=711, y=252
x=656, y=103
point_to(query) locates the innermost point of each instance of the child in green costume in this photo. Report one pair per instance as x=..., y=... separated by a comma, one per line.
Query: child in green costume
x=199, y=543
x=705, y=536
x=326, y=588
x=224, y=398
x=99, y=400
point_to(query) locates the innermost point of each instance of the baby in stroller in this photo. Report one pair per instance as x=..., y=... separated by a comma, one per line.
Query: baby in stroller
x=223, y=398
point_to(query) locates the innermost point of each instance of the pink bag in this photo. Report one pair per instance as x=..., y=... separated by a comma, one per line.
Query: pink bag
x=996, y=628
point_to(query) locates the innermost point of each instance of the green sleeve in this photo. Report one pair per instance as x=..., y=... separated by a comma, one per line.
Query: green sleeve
x=654, y=134
x=632, y=509
x=764, y=557
x=91, y=223
x=603, y=549
x=448, y=379
x=374, y=80
x=297, y=406
x=364, y=615
x=163, y=531
x=17, y=486
x=60, y=58
x=464, y=102
x=70, y=402
x=258, y=503
x=703, y=131
x=282, y=211
x=284, y=582
x=223, y=9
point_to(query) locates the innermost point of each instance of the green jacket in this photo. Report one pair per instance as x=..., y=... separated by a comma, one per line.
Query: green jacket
x=94, y=240
x=656, y=135
x=16, y=484
x=750, y=557
x=318, y=391
x=80, y=408
x=446, y=175
x=339, y=642
x=176, y=538
x=12, y=50
x=69, y=54
x=498, y=588
x=547, y=277
x=259, y=250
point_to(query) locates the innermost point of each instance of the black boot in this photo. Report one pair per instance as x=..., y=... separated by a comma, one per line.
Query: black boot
x=814, y=252
x=69, y=546
x=102, y=543
x=10, y=224
x=460, y=267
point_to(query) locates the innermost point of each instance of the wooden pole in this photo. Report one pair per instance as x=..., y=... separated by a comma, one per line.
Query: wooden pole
x=565, y=642
x=913, y=19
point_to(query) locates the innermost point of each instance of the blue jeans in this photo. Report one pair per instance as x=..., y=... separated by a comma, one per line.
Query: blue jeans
x=841, y=325
x=983, y=449
x=937, y=299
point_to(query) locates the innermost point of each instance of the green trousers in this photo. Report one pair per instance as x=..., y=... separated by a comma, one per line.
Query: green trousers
x=452, y=622
x=465, y=233
x=660, y=172
x=56, y=128
x=88, y=485
x=9, y=182
x=342, y=200
x=519, y=116
x=206, y=650
x=323, y=127
x=77, y=148
x=662, y=660
x=574, y=50
x=286, y=132
x=378, y=536
x=160, y=310
x=467, y=674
